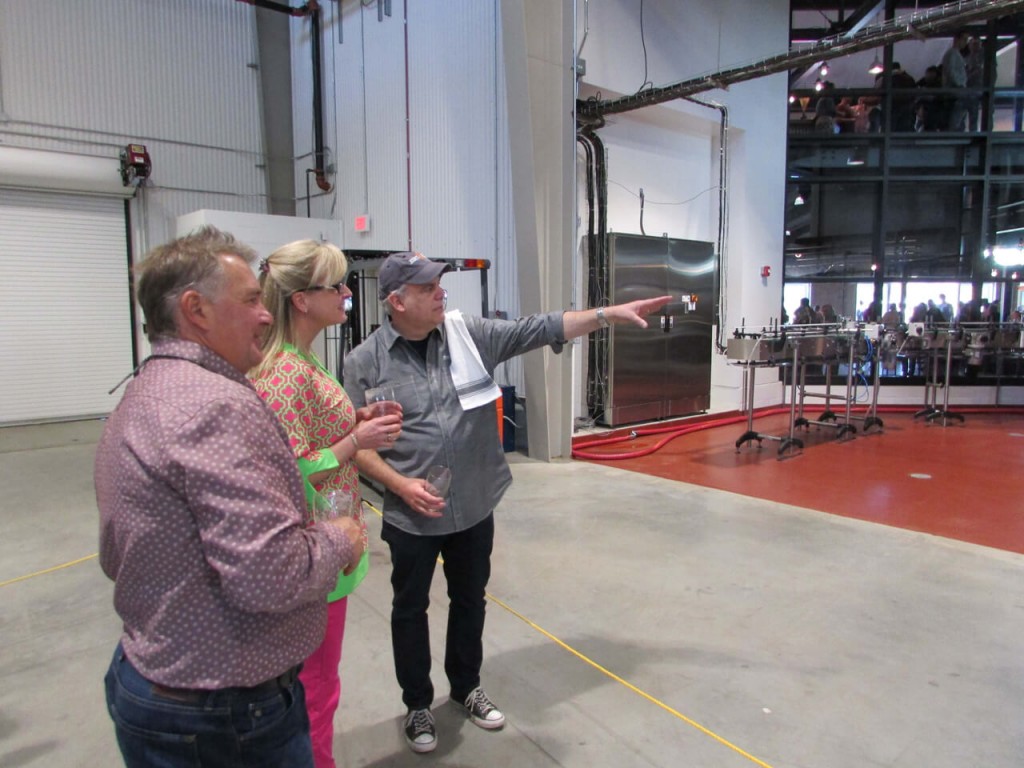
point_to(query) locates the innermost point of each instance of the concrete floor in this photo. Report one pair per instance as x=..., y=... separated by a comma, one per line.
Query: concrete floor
x=635, y=621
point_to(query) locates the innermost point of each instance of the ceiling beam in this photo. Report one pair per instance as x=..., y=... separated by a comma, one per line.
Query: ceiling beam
x=930, y=23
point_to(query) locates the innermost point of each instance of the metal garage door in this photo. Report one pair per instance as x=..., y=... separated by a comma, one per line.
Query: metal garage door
x=65, y=324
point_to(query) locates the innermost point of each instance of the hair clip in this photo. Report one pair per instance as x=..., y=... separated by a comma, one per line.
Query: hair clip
x=264, y=266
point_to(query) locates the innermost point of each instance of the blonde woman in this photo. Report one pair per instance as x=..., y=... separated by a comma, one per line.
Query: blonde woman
x=303, y=287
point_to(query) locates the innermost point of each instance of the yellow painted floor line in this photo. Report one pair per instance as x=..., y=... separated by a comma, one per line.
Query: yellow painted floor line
x=541, y=630
x=49, y=570
x=616, y=678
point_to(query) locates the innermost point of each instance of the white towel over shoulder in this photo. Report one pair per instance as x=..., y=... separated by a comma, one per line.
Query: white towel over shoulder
x=473, y=384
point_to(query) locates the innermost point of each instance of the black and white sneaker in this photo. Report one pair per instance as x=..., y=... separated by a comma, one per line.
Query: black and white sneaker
x=420, y=733
x=482, y=711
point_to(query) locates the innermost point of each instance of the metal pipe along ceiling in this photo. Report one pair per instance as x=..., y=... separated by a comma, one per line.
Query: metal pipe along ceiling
x=917, y=25
x=311, y=9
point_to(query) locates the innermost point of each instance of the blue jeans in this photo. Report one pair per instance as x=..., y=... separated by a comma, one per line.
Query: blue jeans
x=233, y=727
x=467, y=568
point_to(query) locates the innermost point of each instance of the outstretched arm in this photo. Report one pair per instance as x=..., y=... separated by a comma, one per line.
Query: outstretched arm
x=582, y=322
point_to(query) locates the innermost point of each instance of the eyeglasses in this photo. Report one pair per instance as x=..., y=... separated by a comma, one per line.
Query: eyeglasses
x=338, y=288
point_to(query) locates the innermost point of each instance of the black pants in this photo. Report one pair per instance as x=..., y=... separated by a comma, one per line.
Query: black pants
x=467, y=567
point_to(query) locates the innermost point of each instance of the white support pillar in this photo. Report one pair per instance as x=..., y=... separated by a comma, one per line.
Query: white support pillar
x=537, y=44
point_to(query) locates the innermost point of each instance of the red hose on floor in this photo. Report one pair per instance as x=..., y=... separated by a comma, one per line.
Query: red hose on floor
x=675, y=431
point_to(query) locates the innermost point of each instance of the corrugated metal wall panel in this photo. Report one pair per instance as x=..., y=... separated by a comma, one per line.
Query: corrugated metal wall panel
x=63, y=305
x=174, y=75
x=302, y=120
x=168, y=68
x=452, y=113
x=504, y=269
x=349, y=112
x=345, y=127
x=364, y=106
x=175, y=166
x=387, y=180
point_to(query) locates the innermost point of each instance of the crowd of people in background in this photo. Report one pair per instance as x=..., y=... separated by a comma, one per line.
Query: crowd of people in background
x=962, y=66
x=895, y=315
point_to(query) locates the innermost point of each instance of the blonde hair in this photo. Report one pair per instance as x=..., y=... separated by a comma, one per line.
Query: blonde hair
x=292, y=268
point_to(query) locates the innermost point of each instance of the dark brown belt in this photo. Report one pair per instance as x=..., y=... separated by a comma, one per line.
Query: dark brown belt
x=193, y=695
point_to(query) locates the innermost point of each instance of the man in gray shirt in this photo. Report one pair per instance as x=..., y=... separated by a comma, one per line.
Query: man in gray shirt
x=413, y=353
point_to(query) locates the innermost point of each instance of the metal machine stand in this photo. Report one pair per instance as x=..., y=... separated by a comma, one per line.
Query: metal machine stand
x=792, y=442
x=931, y=411
x=828, y=418
x=749, y=373
x=798, y=347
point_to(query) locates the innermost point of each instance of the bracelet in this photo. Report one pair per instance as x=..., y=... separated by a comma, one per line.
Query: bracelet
x=602, y=321
x=355, y=440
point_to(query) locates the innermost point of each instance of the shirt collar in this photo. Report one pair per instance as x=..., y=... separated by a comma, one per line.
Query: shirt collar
x=200, y=355
x=391, y=336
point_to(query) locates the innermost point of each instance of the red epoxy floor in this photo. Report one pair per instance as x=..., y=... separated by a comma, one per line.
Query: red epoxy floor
x=962, y=481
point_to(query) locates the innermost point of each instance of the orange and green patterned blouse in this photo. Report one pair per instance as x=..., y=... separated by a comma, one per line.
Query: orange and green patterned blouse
x=316, y=413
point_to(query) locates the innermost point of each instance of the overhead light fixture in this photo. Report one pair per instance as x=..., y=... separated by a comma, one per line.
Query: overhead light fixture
x=798, y=200
x=792, y=98
x=876, y=67
x=1004, y=256
x=819, y=85
x=824, y=70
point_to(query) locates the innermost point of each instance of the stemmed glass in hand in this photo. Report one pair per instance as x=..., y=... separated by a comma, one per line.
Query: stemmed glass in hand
x=381, y=400
x=439, y=478
x=336, y=503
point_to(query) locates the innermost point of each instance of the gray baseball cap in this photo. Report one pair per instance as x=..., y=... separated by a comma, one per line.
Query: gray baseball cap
x=405, y=267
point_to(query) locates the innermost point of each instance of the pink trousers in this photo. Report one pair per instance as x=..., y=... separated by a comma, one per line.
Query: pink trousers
x=320, y=678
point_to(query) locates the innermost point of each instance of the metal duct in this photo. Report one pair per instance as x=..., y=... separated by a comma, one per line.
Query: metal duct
x=45, y=171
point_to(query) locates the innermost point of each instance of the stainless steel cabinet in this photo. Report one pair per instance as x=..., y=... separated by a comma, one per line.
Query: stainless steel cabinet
x=663, y=370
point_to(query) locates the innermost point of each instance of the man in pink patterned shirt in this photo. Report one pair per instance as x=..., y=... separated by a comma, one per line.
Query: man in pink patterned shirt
x=219, y=582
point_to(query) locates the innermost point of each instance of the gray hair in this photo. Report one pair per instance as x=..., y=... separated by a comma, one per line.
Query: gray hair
x=192, y=261
x=400, y=291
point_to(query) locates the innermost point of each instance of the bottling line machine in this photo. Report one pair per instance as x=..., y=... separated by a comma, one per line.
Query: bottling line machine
x=856, y=351
x=943, y=352
x=839, y=349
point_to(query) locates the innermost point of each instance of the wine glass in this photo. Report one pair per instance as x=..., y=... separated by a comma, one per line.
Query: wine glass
x=381, y=400
x=439, y=478
x=332, y=504
x=337, y=503
x=344, y=503
x=348, y=504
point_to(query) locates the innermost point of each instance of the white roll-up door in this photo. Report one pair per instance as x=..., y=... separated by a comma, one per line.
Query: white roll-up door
x=64, y=305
